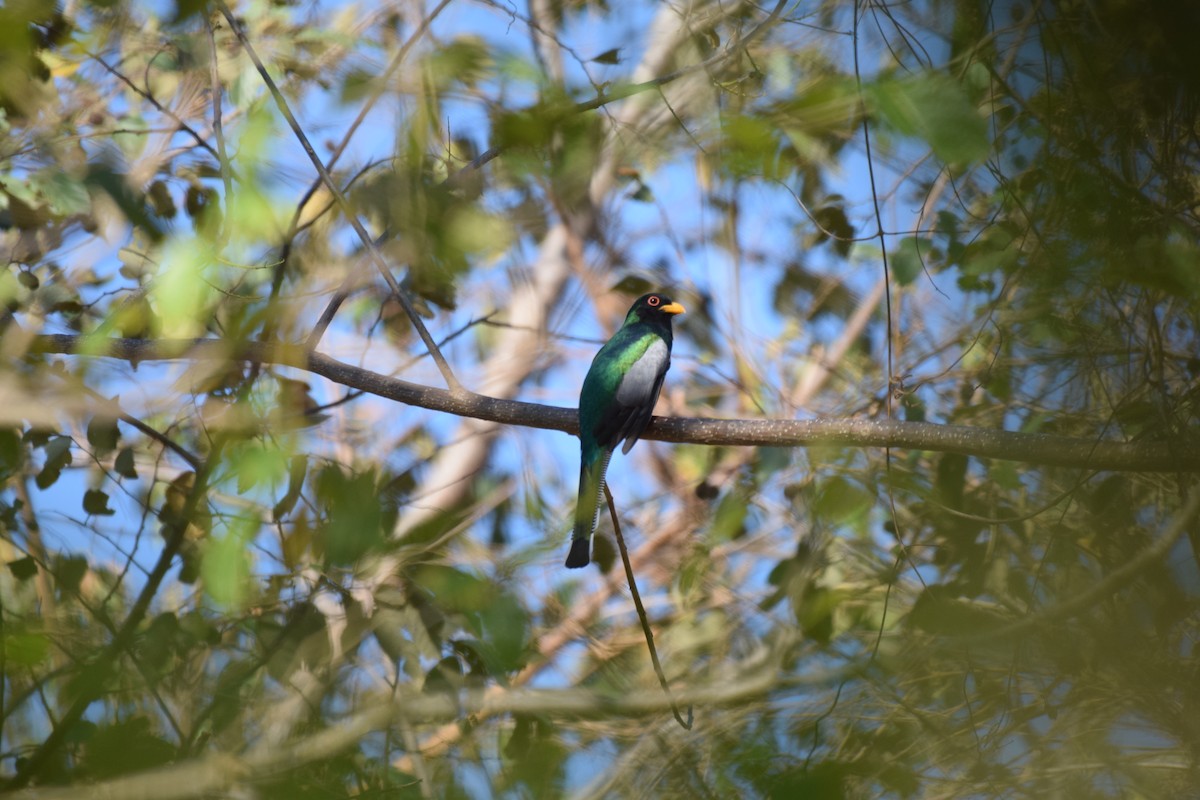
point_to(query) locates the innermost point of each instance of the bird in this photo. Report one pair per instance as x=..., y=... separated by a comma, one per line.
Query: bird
x=615, y=405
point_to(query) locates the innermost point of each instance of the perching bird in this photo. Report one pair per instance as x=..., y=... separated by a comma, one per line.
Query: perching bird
x=616, y=403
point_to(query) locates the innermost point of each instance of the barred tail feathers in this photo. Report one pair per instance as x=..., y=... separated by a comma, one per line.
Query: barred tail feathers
x=587, y=510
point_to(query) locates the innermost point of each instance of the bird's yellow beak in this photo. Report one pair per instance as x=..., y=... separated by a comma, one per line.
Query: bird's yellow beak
x=673, y=308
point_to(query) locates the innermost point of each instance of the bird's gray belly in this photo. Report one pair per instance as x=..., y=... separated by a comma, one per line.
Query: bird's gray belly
x=638, y=384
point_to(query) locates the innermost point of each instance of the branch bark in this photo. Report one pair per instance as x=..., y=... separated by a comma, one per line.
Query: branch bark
x=1033, y=448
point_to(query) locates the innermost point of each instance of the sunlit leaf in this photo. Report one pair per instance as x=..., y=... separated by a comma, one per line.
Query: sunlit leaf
x=226, y=564
x=934, y=108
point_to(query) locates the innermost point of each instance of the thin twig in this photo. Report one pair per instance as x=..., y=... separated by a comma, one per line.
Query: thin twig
x=100, y=671
x=350, y=214
x=1109, y=584
x=219, y=129
x=339, y=297
x=641, y=611
x=191, y=458
x=216, y=774
x=152, y=100
x=381, y=85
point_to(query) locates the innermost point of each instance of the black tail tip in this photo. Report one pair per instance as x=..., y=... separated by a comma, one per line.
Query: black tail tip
x=580, y=555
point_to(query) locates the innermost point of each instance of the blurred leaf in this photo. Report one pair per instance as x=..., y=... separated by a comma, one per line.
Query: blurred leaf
x=102, y=435
x=814, y=608
x=297, y=469
x=95, y=502
x=157, y=645
x=951, y=479
x=834, y=225
x=612, y=56
x=749, y=147
x=729, y=520
x=842, y=501
x=934, y=108
x=505, y=627
x=25, y=648
x=463, y=61
x=632, y=285
x=455, y=589
x=908, y=260
x=939, y=611
x=354, y=525
x=116, y=186
x=259, y=465
x=69, y=572
x=50, y=473
x=124, y=464
x=226, y=564
x=12, y=455
x=23, y=568
x=125, y=747
x=642, y=194
x=182, y=293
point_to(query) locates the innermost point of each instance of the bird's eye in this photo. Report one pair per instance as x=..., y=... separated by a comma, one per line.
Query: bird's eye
x=653, y=300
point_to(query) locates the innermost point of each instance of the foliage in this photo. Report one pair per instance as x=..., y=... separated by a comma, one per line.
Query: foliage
x=214, y=557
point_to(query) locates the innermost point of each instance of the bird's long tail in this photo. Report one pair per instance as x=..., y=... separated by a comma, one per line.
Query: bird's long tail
x=587, y=509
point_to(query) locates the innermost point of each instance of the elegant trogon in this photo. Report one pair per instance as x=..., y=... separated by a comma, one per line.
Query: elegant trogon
x=616, y=403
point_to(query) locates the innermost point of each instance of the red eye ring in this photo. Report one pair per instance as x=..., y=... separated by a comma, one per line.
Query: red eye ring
x=653, y=300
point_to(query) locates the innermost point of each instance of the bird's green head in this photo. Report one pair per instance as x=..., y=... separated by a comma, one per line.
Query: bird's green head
x=653, y=307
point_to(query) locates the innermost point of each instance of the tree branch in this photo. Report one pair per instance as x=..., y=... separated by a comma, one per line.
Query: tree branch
x=1033, y=448
x=1112, y=583
x=212, y=775
x=99, y=672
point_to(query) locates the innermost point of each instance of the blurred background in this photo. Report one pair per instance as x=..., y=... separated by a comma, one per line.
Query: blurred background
x=954, y=211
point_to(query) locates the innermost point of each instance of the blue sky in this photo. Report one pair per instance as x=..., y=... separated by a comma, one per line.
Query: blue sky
x=678, y=200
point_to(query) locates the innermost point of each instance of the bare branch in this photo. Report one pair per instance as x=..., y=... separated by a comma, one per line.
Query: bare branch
x=1034, y=448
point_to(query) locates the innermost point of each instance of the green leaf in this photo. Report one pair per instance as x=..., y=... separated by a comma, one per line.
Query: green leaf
x=729, y=520
x=841, y=501
x=124, y=747
x=181, y=293
x=936, y=109
x=612, y=56
x=258, y=465
x=25, y=649
x=908, y=261
x=749, y=147
x=455, y=590
x=124, y=464
x=157, y=645
x=23, y=568
x=95, y=503
x=814, y=610
x=505, y=627
x=102, y=434
x=226, y=564
x=297, y=469
x=355, y=519
x=938, y=611
x=11, y=453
